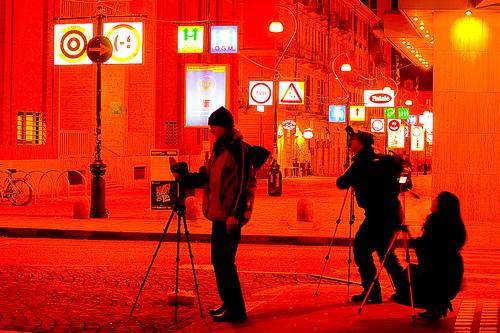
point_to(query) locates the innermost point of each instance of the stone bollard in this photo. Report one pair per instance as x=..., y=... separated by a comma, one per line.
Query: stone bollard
x=81, y=208
x=193, y=208
x=305, y=210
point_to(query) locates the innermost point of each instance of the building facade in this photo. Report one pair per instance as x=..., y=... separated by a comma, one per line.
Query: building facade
x=48, y=112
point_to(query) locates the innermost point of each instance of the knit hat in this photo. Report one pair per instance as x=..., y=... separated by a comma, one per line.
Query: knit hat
x=365, y=138
x=221, y=117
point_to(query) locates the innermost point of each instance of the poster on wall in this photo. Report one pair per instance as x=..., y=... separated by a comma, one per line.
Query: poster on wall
x=396, y=139
x=206, y=91
x=162, y=190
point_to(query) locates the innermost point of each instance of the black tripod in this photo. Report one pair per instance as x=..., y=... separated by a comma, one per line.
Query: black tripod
x=351, y=222
x=180, y=210
x=402, y=229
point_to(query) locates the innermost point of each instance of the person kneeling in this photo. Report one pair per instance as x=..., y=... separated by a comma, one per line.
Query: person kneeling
x=437, y=278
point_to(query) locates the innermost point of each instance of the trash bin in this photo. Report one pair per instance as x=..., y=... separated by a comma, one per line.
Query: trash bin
x=274, y=180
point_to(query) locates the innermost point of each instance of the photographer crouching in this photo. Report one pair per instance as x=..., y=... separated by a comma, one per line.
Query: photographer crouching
x=230, y=183
x=375, y=183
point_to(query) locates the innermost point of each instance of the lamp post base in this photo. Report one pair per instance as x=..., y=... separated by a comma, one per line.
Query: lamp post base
x=98, y=191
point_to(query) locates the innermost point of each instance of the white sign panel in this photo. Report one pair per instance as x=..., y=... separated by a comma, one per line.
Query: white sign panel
x=417, y=138
x=396, y=139
x=291, y=92
x=378, y=125
x=260, y=93
x=70, y=43
x=224, y=39
x=126, y=38
x=379, y=98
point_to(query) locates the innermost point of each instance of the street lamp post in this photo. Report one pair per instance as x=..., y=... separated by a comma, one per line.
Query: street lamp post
x=98, y=168
x=277, y=27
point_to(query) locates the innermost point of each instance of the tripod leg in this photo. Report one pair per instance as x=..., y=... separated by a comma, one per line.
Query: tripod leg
x=186, y=231
x=391, y=245
x=331, y=243
x=408, y=261
x=349, y=259
x=152, y=261
x=177, y=262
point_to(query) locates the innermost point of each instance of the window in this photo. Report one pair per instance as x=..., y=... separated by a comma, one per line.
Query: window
x=30, y=128
x=139, y=172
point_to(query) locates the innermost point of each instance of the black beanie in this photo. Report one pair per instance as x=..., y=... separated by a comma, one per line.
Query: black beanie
x=221, y=117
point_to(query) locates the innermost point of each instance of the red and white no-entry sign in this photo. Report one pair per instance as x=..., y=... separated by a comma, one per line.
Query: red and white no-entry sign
x=260, y=93
x=394, y=125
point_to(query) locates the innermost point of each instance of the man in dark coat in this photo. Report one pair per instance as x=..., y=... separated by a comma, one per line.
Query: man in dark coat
x=375, y=182
x=230, y=183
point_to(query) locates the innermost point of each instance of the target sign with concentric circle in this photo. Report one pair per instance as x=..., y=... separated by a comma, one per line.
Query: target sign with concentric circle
x=70, y=43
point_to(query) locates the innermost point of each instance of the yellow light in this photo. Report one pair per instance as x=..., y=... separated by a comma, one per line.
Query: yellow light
x=387, y=88
x=403, y=42
x=422, y=27
x=408, y=102
x=412, y=51
x=415, y=18
x=276, y=26
x=426, y=65
x=308, y=133
x=470, y=36
x=427, y=35
x=408, y=46
x=468, y=13
x=345, y=68
x=432, y=42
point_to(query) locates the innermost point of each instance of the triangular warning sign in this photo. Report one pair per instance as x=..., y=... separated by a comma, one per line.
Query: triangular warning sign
x=291, y=95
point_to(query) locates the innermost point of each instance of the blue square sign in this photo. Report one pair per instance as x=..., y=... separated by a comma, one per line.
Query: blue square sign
x=336, y=113
x=412, y=120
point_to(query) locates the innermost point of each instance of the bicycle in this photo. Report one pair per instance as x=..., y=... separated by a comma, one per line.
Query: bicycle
x=17, y=191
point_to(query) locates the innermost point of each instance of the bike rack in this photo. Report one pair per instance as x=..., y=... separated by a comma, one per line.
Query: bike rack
x=33, y=183
x=65, y=173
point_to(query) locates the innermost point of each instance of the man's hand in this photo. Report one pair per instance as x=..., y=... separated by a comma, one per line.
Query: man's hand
x=232, y=224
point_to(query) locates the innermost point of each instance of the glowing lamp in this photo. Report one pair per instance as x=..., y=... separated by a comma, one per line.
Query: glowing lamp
x=308, y=133
x=468, y=13
x=345, y=68
x=422, y=27
x=408, y=102
x=415, y=18
x=387, y=88
x=276, y=26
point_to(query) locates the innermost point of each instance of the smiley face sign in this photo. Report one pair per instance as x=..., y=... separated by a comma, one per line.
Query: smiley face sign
x=394, y=125
x=126, y=39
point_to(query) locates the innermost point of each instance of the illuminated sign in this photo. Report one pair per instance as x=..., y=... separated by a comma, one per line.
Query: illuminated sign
x=403, y=113
x=70, y=43
x=206, y=91
x=378, y=125
x=224, y=39
x=427, y=120
x=429, y=138
x=412, y=120
x=396, y=139
x=379, y=98
x=291, y=92
x=336, y=113
x=260, y=93
x=289, y=125
x=127, y=40
x=390, y=113
x=394, y=125
x=357, y=113
x=190, y=39
x=417, y=138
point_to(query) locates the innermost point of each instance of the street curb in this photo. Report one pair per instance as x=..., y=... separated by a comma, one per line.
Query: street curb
x=170, y=237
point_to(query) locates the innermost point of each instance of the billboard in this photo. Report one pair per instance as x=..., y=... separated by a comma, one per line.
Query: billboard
x=379, y=98
x=206, y=91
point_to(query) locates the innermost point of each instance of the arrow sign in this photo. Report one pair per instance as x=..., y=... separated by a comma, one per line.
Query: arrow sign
x=99, y=49
x=190, y=39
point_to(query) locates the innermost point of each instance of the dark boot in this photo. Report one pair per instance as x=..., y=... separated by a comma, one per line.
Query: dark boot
x=217, y=311
x=375, y=297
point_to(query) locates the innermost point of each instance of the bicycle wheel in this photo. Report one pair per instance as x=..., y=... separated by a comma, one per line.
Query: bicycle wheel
x=20, y=192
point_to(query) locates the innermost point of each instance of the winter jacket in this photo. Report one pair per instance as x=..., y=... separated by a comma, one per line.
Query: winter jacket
x=374, y=179
x=229, y=178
